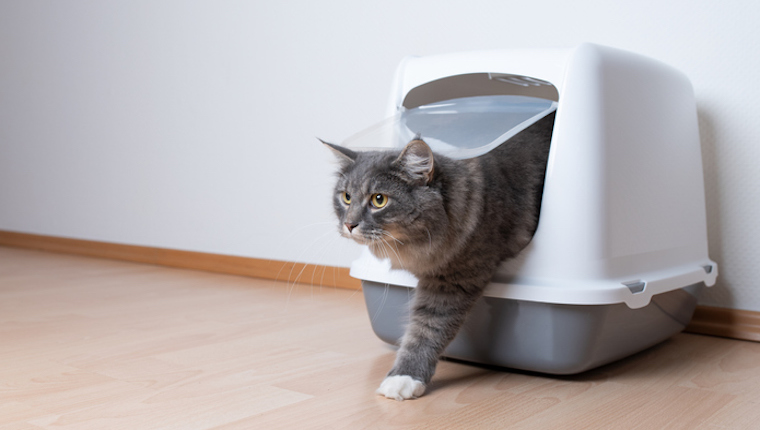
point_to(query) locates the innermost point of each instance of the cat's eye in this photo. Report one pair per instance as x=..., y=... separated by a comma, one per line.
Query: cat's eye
x=345, y=197
x=379, y=200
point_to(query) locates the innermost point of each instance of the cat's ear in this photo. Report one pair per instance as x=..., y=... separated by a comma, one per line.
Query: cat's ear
x=343, y=154
x=417, y=160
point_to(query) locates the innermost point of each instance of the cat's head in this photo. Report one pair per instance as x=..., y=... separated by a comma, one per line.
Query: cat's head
x=388, y=200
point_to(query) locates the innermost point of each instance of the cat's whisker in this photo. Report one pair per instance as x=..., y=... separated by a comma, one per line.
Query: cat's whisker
x=396, y=251
x=325, y=247
x=385, y=248
x=392, y=237
x=303, y=250
x=380, y=246
x=382, y=304
x=398, y=257
x=291, y=280
x=284, y=241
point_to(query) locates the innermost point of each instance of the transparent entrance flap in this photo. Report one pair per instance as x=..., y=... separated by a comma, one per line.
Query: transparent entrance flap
x=459, y=128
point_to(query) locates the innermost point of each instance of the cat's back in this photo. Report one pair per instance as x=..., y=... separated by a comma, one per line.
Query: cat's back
x=513, y=178
x=526, y=152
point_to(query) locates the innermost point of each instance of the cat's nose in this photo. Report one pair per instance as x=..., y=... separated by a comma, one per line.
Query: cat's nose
x=350, y=226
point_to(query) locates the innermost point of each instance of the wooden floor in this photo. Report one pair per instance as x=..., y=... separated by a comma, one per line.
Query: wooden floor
x=99, y=344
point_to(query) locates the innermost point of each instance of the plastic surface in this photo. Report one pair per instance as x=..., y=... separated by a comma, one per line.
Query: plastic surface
x=458, y=128
x=623, y=209
x=542, y=337
x=635, y=293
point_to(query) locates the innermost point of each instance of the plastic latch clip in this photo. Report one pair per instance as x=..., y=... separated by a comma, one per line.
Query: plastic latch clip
x=636, y=286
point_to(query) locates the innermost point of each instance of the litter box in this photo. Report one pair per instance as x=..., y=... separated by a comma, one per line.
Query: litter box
x=620, y=253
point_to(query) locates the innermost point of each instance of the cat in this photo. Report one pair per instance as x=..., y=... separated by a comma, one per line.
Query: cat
x=449, y=222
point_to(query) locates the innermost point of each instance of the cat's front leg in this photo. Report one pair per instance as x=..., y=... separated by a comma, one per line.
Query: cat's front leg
x=438, y=311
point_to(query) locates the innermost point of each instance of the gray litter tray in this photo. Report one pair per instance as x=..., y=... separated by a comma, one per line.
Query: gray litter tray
x=543, y=337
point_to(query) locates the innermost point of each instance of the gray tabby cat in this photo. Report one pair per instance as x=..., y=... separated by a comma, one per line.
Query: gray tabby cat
x=448, y=222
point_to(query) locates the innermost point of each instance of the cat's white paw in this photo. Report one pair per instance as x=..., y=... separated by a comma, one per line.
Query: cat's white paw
x=401, y=387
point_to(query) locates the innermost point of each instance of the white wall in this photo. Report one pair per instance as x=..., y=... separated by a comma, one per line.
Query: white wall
x=191, y=125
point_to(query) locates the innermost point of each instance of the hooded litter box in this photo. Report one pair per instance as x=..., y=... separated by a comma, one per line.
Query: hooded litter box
x=620, y=252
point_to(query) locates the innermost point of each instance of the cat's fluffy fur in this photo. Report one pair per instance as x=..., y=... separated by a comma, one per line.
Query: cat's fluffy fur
x=450, y=223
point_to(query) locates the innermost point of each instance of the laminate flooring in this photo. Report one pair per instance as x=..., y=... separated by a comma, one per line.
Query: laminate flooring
x=98, y=344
